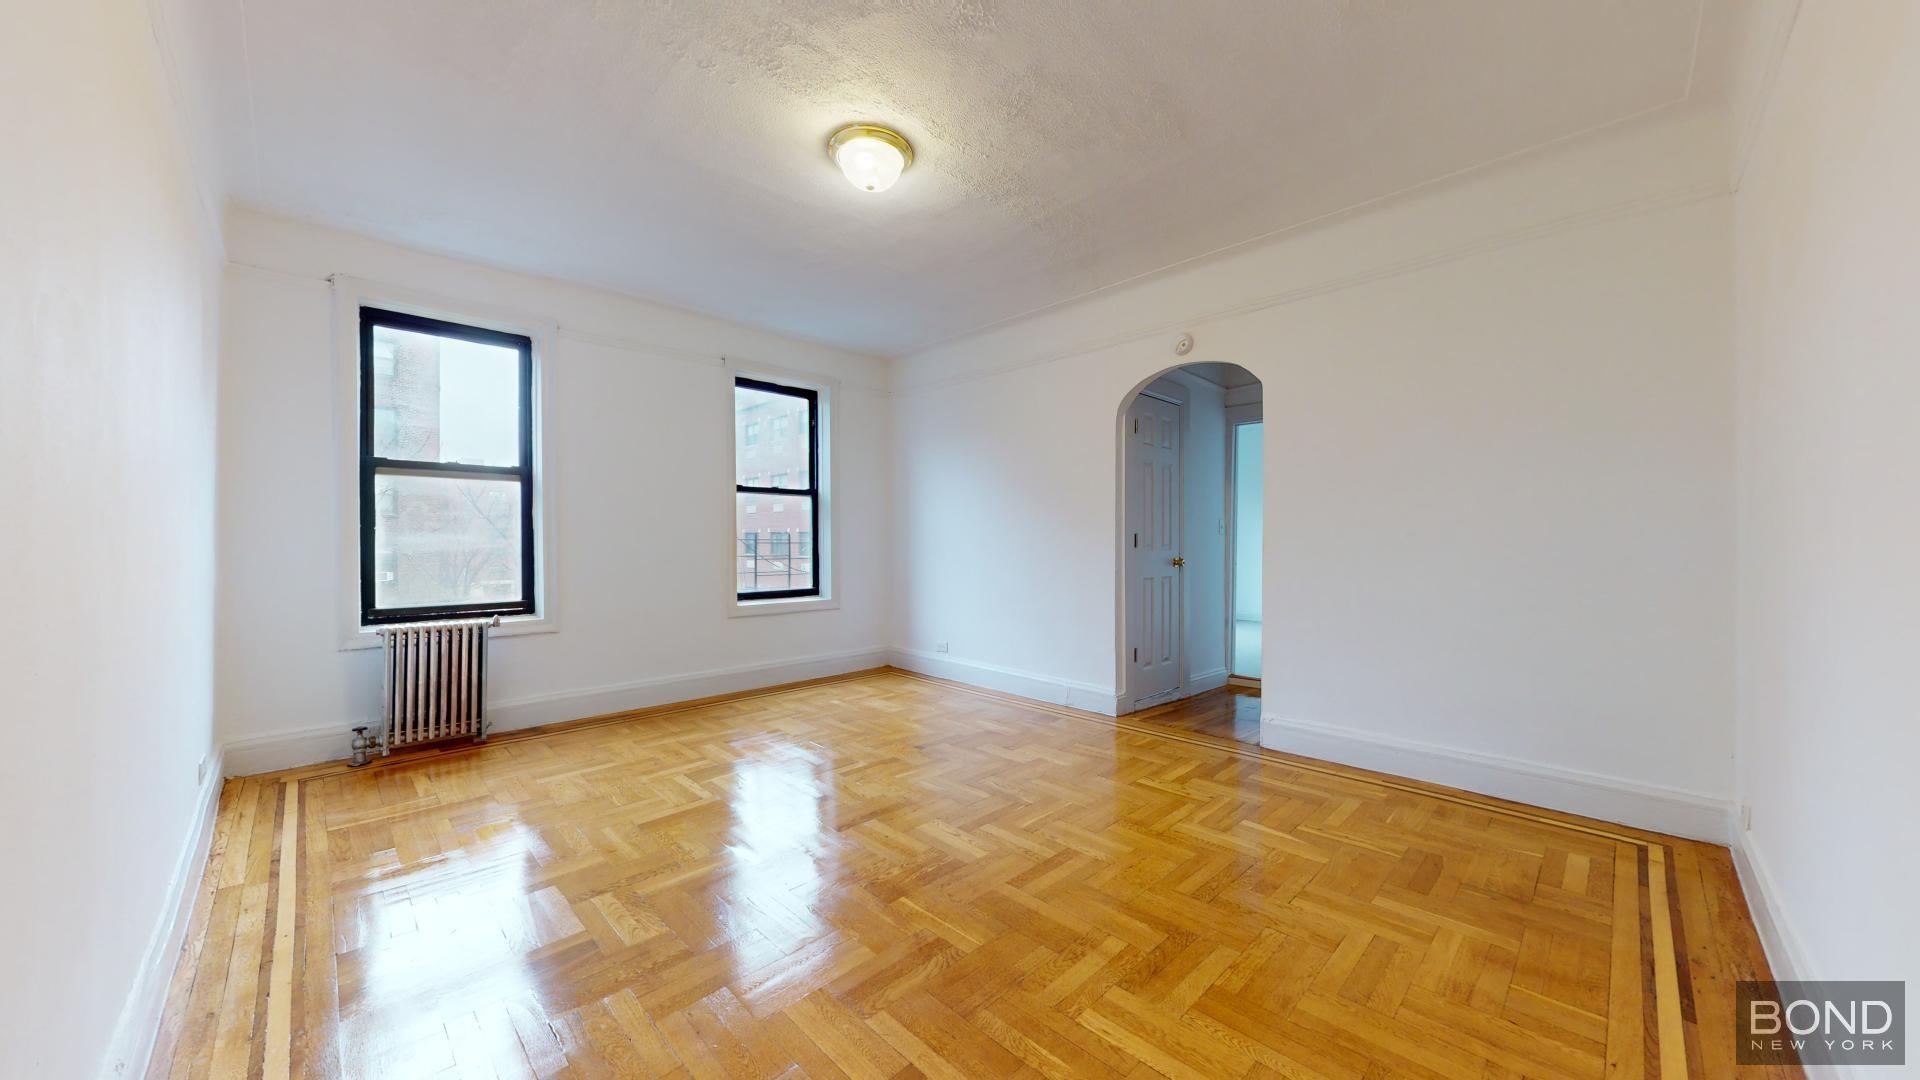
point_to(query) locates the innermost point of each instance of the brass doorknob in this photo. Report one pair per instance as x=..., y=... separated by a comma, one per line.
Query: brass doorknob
x=1179, y=560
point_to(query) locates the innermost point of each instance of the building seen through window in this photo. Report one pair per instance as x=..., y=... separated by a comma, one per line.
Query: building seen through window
x=777, y=498
x=446, y=476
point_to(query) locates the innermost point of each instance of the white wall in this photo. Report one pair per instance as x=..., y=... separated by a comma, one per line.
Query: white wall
x=1826, y=229
x=108, y=300
x=1498, y=478
x=1498, y=466
x=642, y=477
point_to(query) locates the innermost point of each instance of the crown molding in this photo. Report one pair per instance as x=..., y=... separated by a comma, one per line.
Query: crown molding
x=1756, y=124
x=1630, y=208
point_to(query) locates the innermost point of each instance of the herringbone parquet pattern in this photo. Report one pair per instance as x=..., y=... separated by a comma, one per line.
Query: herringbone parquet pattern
x=888, y=876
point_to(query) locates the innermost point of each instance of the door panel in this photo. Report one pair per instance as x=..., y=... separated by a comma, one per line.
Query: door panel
x=1155, y=604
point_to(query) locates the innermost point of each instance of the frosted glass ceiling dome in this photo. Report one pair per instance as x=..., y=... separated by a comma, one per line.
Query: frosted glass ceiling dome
x=871, y=157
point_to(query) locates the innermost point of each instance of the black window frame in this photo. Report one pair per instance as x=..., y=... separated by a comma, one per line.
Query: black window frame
x=372, y=465
x=811, y=491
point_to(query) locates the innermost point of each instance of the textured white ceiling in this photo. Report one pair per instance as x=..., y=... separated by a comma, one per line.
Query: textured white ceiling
x=675, y=149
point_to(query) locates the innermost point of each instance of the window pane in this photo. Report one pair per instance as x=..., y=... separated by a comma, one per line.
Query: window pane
x=773, y=549
x=444, y=540
x=385, y=421
x=770, y=436
x=451, y=400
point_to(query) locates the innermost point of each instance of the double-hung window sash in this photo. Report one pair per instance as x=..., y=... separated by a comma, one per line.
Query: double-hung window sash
x=777, y=436
x=446, y=470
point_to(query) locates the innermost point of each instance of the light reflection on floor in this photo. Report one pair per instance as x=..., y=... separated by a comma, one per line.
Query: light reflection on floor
x=436, y=942
x=866, y=872
x=779, y=845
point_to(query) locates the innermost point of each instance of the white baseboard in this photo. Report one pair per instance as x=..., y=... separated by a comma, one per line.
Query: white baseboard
x=286, y=749
x=516, y=713
x=1785, y=948
x=1609, y=798
x=1785, y=955
x=139, y=1022
x=1203, y=681
x=1193, y=687
x=1100, y=699
x=309, y=746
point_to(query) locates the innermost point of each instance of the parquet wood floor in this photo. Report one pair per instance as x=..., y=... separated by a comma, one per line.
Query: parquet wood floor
x=891, y=876
x=1231, y=712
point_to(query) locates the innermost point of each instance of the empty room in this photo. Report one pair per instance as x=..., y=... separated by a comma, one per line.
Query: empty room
x=1344, y=539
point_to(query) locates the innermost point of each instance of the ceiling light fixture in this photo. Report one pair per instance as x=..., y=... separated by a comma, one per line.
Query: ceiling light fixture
x=872, y=157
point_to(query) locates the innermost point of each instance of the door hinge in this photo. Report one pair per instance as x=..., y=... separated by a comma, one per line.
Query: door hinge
x=1136, y=656
x=1136, y=539
x=1136, y=425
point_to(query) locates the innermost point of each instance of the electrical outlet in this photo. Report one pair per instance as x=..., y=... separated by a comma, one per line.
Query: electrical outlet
x=1746, y=817
x=940, y=647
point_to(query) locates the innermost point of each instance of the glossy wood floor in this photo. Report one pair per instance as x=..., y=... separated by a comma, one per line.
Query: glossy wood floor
x=889, y=876
x=1229, y=713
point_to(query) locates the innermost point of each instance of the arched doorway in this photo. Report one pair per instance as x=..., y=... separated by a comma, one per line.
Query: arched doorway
x=1190, y=534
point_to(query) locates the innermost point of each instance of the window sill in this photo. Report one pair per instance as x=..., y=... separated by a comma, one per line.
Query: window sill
x=740, y=608
x=368, y=637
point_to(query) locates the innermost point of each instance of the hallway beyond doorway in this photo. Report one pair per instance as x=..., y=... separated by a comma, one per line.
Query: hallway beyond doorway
x=1246, y=648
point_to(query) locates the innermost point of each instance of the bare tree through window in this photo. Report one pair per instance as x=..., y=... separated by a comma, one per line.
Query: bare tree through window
x=446, y=481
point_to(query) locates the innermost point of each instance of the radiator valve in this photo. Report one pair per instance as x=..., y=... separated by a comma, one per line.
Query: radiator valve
x=362, y=743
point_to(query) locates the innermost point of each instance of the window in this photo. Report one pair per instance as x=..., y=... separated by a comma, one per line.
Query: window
x=386, y=418
x=775, y=560
x=446, y=470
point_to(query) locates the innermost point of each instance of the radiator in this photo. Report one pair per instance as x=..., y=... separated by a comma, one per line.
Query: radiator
x=435, y=686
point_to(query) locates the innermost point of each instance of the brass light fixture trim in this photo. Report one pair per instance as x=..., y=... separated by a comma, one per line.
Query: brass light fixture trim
x=873, y=131
x=871, y=157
